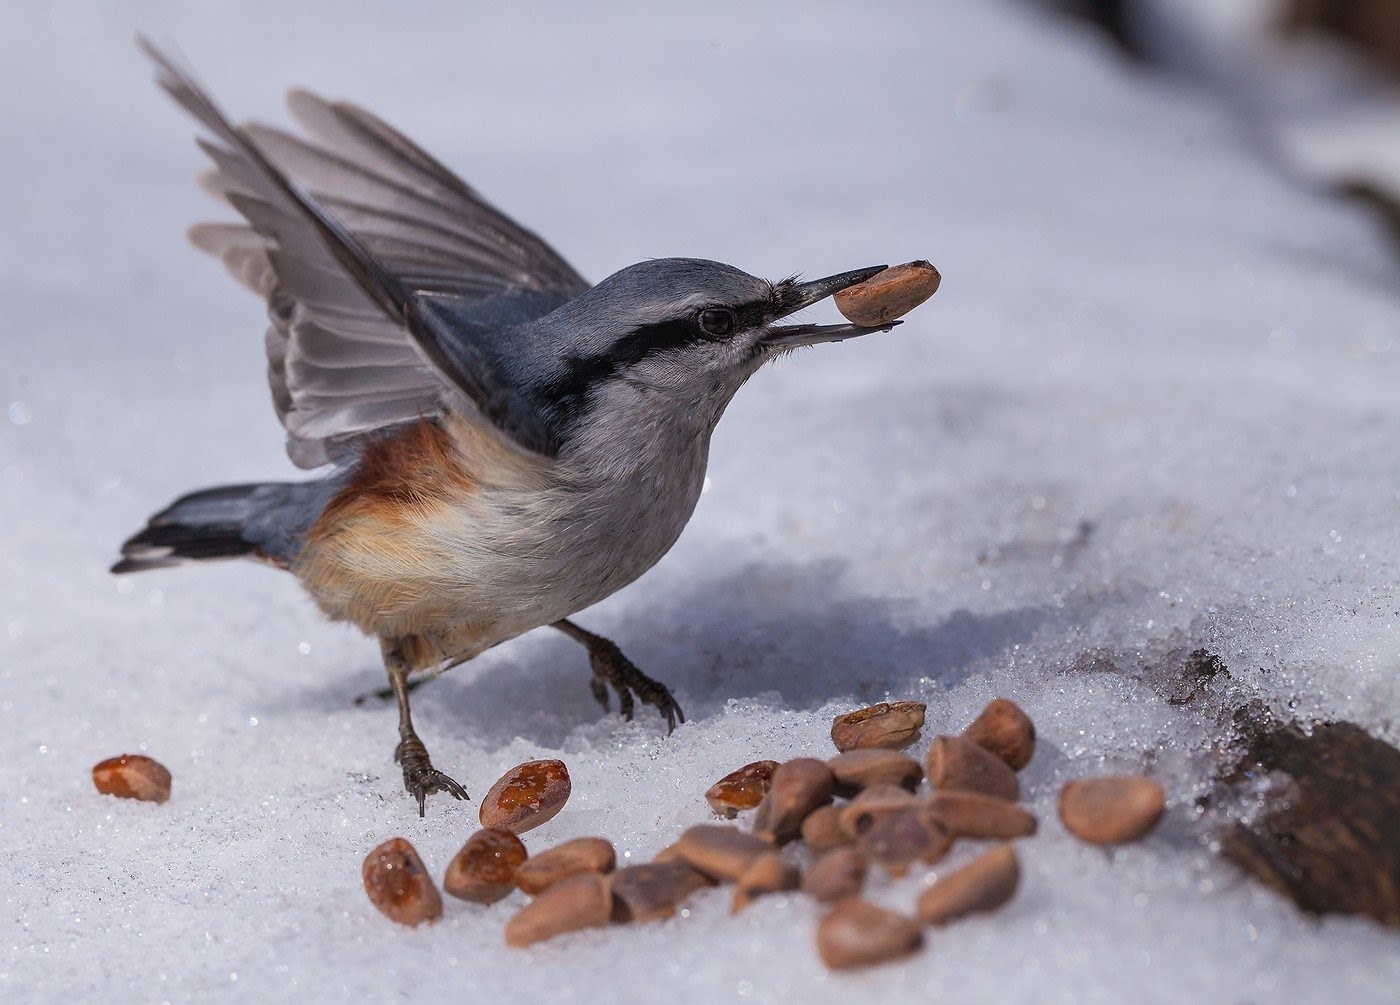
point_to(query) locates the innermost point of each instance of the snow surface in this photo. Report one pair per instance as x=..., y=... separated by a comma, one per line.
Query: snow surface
x=1153, y=407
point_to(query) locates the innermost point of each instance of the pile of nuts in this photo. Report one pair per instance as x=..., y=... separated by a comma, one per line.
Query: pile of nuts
x=880, y=821
x=858, y=810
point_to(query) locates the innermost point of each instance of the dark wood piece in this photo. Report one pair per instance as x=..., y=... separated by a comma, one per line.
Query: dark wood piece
x=1330, y=838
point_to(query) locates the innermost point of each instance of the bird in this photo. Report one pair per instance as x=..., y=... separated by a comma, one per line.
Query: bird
x=496, y=444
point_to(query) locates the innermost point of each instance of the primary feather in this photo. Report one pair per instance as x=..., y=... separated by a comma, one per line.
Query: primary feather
x=372, y=257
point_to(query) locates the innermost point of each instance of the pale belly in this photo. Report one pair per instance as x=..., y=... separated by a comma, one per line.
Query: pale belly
x=457, y=576
x=447, y=544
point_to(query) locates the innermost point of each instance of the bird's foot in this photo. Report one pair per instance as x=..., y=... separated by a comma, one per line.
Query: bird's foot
x=612, y=669
x=420, y=778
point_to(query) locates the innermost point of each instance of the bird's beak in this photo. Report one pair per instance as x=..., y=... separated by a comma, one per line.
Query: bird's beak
x=793, y=297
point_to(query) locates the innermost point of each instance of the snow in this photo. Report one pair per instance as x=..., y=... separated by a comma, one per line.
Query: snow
x=1153, y=407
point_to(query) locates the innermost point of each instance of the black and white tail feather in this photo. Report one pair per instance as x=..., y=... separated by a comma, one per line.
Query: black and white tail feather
x=207, y=524
x=264, y=520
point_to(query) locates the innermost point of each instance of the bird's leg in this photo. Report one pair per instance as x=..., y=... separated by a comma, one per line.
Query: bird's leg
x=420, y=778
x=387, y=693
x=612, y=669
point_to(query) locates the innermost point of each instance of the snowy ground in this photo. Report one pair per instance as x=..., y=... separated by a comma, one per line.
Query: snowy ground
x=1153, y=407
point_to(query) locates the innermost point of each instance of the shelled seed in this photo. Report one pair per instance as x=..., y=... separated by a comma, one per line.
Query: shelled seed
x=857, y=933
x=585, y=854
x=485, y=868
x=859, y=769
x=891, y=725
x=822, y=830
x=974, y=815
x=741, y=789
x=888, y=295
x=769, y=873
x=652, y=891
x=526, y=796
x=898, y=840
x=132, y=776
x=984, y=884
x=1003, y=729
x=398, y=884
x=957, y=763
x=580, y=901
x=719, y=851
x=799, y=787
x=871, y=805
x=1112, y=809
x=837, y=874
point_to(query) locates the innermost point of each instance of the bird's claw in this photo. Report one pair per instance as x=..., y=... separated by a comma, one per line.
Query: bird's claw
x=612, y=669
x=599, y=687
x=420, y=778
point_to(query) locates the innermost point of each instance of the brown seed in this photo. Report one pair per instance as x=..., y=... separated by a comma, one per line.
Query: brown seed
x=398, y=884
x=132, y=776
x=526, y=796
x=1004, y=730
x=741, y=789
x=651, y=892
x=484, y=870
x=671, y=853
x=872, y=804
x=973, y=815
x=860, y=769
x=581, y=901
x=893, y=725
x=897, y=840
x=822, y=831
x=856, y=933
x=839, y=873
x=765, y=874
x=585, y=854
x=888, y=295
x=799, y=787
x=956, y=763
x=1112, y=809
x=984, y=884
x=720, y=852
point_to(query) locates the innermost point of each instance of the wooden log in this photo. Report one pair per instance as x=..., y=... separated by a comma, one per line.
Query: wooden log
x=1330, y=838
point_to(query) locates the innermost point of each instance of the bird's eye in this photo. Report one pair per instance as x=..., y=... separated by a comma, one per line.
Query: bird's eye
x=717, y=321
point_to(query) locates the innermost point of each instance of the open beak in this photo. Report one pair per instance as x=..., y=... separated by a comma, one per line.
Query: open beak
x=795, y=296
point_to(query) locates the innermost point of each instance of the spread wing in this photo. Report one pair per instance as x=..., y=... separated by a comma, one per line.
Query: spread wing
x=353, y=236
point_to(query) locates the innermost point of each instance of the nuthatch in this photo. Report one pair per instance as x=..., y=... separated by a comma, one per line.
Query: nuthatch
x=502, y=444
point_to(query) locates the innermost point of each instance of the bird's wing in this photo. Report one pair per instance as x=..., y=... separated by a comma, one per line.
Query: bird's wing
x=352, y=236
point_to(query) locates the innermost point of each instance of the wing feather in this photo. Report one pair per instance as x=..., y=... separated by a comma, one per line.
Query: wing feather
x=350, y=232
x=351, y=130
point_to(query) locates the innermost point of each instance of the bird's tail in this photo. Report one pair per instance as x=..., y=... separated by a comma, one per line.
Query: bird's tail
x=212, y=523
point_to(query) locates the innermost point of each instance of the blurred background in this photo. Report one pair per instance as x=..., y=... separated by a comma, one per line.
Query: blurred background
x=1314, y=82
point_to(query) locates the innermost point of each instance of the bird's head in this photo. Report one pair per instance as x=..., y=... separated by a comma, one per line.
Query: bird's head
x=681, y=335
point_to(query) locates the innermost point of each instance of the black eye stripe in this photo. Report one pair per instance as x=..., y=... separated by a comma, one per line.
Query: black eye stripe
x=580, y=374
x=753, y=315
x=568, y=391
